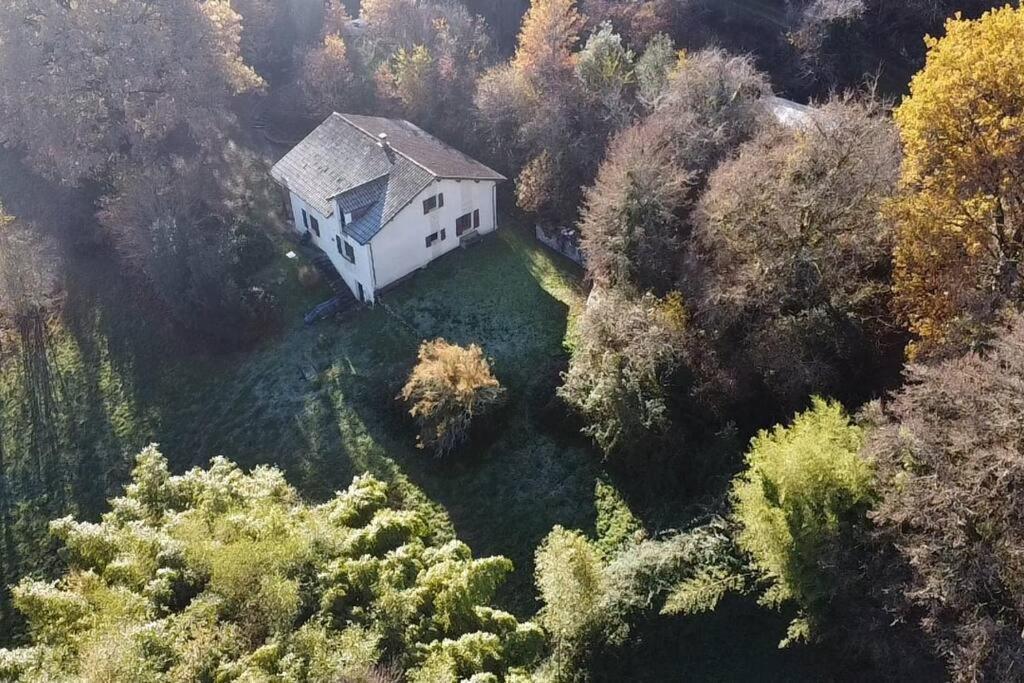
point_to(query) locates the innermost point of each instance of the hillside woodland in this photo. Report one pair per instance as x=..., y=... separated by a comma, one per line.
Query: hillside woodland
x=785, y=393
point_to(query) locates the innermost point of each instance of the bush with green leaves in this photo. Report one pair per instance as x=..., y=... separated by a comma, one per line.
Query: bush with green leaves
x=629, y=350
x=804, y=489
x=594, y=599
x=221, y=575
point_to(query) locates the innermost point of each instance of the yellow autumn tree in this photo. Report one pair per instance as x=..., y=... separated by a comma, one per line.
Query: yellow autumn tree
x=960, y=214
x=327, y=76
x=551, y=29
x=449, y=387
x=410, y=78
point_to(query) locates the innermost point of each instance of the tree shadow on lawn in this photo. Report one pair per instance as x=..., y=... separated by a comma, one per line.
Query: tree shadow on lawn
x=738, y=641
x=502, y=494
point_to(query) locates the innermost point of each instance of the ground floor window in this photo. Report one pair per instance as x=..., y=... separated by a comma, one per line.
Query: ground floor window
x=463, y=223
x=432, y=238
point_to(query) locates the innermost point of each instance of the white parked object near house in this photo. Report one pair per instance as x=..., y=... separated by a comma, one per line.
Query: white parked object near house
x=383, y=198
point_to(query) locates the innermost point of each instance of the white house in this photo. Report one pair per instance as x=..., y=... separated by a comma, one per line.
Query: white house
x=383, y=198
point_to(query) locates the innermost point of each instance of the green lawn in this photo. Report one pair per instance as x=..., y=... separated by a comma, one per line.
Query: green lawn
x=125, y=381
x=509, y=296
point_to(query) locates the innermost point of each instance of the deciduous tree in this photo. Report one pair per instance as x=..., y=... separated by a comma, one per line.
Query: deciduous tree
x=181, y=226
x=948, y=449
x=632, y=217
x=961, y=213
x=427, y=57
x=327, y=77
x=547, y=41
x=86, y=84
x=449, y=388
x=629, y=350
x=636, y=20
x=791, y=276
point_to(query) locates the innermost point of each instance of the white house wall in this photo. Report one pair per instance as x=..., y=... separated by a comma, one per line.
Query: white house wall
x=354, y=274
x=400, y=247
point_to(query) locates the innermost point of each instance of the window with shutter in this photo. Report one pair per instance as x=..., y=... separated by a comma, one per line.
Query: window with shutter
x=464, y=223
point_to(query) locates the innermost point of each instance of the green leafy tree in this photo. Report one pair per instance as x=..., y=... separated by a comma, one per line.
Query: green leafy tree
x=221, y=575
x=409, y=77
x=628, y=351
x=605, y=69
x=594, y=599
x=653, y=68
x=805, y=486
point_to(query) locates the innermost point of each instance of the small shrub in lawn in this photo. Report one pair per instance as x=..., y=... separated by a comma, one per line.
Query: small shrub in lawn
x=450, y=386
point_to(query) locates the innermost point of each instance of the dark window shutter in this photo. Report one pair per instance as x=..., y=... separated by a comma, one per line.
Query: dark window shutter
x=440, y=199
x=305, y=218
x=476, y=218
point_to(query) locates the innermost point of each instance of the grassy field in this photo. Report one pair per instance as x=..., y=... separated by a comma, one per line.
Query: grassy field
x=126, y=381
x=501, y=497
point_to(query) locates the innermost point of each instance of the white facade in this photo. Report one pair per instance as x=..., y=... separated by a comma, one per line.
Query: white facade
x=400, y=246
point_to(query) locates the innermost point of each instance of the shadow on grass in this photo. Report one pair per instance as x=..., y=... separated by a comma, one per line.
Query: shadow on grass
x=736, y=642
x=505, y=495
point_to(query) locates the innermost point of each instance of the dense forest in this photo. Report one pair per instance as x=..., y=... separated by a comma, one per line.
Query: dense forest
x=773, y=429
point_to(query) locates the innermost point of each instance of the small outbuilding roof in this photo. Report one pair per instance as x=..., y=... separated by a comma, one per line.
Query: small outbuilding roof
x=373, y=166
x=789, y=113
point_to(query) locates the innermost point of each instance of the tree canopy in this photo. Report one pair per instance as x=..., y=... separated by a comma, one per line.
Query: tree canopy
x=803, y=488
x=949, y=455
x=961, y=212
x=218, y=574
x=86, y=84
x=791, y=276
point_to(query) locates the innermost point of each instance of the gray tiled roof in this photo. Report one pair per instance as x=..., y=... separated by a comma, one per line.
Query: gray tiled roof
x=343, y=159
x=362, y=196
x=423, y=148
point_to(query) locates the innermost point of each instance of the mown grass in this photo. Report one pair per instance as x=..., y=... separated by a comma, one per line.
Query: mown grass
x=126, y=381
x=502, y=495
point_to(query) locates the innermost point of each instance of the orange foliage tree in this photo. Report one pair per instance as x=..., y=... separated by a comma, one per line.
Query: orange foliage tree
x=551, y=30
x=449, y=387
